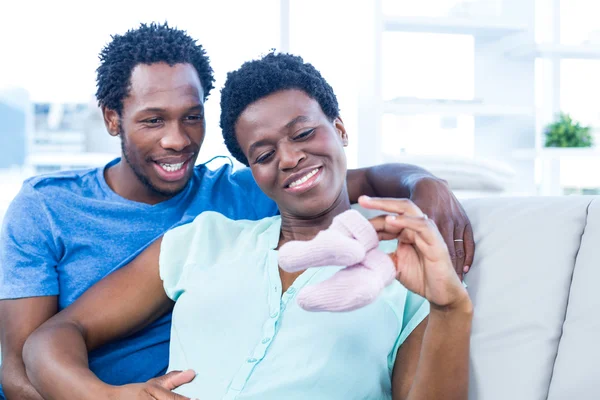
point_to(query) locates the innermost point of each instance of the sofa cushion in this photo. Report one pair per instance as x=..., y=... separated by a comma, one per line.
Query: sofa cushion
x=577, y=367
x=519, y=284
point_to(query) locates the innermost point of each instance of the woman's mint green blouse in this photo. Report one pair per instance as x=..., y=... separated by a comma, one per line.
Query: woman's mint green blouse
x=247, y=340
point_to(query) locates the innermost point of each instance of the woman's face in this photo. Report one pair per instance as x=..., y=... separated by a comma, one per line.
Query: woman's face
x=295, y=152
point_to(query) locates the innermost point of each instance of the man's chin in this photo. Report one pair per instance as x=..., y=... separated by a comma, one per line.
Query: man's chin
x=169, y=190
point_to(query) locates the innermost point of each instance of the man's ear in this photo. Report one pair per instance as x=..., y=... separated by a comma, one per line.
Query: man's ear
x=111, y=121
x=341, y=130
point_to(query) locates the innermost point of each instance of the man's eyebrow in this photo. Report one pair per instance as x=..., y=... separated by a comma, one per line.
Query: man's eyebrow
x=298, y=119
x=153, y=109
x=198, y=107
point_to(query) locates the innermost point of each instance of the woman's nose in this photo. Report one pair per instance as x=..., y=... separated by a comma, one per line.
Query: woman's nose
x=290, y=155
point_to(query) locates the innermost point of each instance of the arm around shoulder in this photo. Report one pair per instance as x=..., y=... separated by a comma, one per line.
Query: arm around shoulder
x=386, y=180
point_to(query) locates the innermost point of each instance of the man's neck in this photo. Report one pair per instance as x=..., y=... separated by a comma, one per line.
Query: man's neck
x=124, y=182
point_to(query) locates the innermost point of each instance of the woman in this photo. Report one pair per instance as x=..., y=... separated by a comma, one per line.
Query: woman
x=235, y=322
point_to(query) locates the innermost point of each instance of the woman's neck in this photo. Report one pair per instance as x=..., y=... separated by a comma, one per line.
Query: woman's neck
x=306, y=228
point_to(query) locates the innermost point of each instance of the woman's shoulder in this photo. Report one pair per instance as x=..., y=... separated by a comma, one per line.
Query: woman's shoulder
x=213, y=230
x=208, y=241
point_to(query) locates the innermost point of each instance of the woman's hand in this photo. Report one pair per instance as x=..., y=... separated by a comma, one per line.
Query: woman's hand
x=155, y=389
x=434, y=198
x=422, y=259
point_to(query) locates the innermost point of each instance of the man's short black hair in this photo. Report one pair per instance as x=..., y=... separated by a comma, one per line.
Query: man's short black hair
x=259, y=78
x=147, y=44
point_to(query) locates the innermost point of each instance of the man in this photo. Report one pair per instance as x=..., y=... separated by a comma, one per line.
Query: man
x=66, y=231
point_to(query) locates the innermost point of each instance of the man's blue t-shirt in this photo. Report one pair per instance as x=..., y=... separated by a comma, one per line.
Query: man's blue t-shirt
x=66, y=231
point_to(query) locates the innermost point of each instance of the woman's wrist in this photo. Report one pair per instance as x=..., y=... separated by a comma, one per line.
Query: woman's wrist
x=461, y=306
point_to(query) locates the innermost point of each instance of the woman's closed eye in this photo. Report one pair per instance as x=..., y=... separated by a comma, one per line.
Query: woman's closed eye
x=263, y=158
x=305, y=134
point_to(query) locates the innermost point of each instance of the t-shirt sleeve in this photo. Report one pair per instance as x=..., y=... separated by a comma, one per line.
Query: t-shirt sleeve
x=200, y=243
x=174, y=257
x=28, y=251
x=416, y=309
x=262, y=205
x=411, y=309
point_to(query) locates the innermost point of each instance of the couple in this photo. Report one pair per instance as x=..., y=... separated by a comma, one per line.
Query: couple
x=156, y=108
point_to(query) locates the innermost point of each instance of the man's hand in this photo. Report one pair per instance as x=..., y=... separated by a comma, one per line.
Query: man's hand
x=155, y=389
x=436, y=200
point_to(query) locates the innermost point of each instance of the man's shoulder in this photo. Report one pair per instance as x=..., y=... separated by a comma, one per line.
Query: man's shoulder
x=62, y=179
x=226, y=180
x=233, y=192
x=213, y=172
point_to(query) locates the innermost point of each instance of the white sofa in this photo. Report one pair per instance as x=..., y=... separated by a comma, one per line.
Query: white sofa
x=534, y=284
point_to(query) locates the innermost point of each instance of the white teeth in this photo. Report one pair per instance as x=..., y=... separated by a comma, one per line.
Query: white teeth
x=171, y=167
x=304, y=178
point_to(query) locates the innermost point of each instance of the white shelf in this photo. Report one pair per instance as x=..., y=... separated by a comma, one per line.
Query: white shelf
x=566, y=51
x=453, y=108
x=555, y=153
x=485, y=27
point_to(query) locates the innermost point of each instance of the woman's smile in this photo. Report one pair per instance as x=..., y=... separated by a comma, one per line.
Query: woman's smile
x=303, y=180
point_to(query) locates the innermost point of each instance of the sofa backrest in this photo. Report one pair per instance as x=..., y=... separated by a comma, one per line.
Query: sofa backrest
x=537, y=316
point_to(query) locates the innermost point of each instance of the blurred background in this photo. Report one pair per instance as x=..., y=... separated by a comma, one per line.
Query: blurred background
x=498, y=97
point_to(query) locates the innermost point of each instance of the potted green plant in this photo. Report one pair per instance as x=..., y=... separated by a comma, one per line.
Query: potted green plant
x=567, y=133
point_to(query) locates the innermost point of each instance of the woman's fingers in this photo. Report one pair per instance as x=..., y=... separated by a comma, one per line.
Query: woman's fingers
x=396, y=206
x=419, y=231
x=384, y=230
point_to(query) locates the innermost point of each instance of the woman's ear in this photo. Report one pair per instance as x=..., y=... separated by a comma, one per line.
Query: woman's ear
x=111, y=121
x=341, y=130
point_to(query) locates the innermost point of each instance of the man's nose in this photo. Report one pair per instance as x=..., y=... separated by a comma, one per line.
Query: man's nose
x=175, y=138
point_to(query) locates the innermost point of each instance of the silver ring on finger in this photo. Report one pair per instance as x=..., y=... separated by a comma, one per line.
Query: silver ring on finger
x=458, y=240
x=425, y=217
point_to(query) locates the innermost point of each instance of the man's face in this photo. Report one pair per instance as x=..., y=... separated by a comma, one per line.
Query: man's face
x=162, y=125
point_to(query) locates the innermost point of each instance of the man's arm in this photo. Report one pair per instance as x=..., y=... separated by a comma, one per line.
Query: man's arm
x=430, y=194
x=18, y=319
x=56, y=354
x=386, y=180
x=28, y=284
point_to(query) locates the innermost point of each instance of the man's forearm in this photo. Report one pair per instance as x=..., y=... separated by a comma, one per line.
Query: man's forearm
x=56, y=361
x=387, y=180
x=14, y=381
x=443, y=368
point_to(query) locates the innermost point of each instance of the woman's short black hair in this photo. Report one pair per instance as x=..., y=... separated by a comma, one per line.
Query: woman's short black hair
x=259, y=78
x=147, y=44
